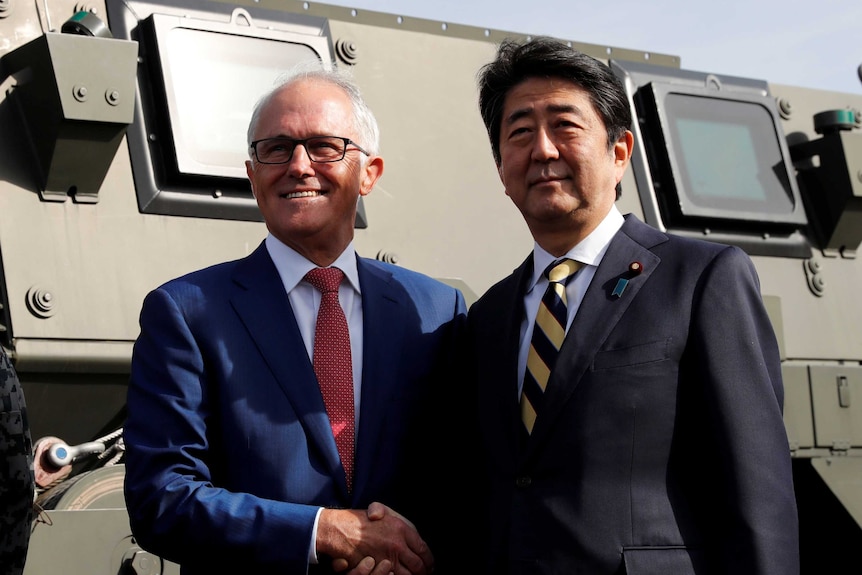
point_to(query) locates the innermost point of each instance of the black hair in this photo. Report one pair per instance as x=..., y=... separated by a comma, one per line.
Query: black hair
x=544, y=57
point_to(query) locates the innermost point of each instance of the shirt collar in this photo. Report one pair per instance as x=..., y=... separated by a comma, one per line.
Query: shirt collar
x=589, y=251
x=292, y=267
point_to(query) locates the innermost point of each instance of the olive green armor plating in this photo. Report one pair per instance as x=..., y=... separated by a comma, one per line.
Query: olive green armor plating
x=122, y=142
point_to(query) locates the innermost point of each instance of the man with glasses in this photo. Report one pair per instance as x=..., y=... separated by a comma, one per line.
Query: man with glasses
x=249, y=448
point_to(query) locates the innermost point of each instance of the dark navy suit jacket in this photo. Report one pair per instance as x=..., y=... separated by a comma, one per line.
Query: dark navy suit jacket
x=229, y=449
x=661, y=447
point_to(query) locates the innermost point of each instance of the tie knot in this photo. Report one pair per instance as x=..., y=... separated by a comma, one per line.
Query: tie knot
x=561, y=271
x=325, y=279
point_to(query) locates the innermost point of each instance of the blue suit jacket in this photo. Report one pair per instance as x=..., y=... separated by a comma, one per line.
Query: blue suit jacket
x=661, y=447
x=229, y=449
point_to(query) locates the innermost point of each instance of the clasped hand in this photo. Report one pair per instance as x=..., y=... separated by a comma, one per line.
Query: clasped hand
x=377, y=541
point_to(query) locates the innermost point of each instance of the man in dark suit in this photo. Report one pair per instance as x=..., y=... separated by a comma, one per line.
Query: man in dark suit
x=652, y=441
x=236, y=462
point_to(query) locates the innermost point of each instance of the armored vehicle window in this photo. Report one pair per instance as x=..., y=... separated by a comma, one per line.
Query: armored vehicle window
x=199, y=77
x=211, y=83
x=726, y=158
x=711, y=159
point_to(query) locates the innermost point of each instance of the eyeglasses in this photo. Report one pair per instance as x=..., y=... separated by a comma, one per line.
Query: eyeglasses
x=320, y=149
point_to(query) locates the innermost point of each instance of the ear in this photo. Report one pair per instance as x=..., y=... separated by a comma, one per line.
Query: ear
x=622, y=152
x=500, y=174
x=371, y=172
x=249, y=170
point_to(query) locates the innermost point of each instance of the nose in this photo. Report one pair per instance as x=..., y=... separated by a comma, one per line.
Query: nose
x=544, y=148
x=300, y=165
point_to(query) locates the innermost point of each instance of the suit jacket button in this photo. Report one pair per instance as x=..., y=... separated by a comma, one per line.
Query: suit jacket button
x=523, y=481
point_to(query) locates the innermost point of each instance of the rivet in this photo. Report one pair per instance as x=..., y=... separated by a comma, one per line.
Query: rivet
x=40, y=302
x=784, y=108
x=112, y=97
x=347, y=51
x=80, y=93
x=814, y=266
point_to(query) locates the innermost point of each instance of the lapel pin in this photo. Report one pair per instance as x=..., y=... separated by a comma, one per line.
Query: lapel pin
x=635, y=268
x=618, y=289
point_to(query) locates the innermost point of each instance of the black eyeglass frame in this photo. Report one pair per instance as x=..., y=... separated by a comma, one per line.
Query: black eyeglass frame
x=302, y=142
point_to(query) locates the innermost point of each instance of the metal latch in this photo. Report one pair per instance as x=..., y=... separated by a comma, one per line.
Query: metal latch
x=843, y=391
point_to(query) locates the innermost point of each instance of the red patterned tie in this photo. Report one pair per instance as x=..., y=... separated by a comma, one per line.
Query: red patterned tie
x=333, y=365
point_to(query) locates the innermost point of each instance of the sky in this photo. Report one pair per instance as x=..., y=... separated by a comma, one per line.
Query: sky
x=809, y=44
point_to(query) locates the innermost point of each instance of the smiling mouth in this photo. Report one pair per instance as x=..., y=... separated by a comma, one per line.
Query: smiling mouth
x=303, y=194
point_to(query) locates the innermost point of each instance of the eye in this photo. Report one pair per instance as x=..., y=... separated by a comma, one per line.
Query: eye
x=566, y=123
x=326, y=144
x=518, y=131
x=273, y=146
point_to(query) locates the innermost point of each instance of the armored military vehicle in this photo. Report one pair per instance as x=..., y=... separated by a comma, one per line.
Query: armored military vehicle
x=122, y=142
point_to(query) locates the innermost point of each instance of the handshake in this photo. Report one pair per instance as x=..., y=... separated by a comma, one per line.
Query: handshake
x=377, y=541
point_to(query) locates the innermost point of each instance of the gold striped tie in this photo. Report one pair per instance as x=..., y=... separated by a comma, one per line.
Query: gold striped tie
x=548, y=334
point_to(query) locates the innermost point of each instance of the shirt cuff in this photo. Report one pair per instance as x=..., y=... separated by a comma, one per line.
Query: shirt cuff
x=312, y=549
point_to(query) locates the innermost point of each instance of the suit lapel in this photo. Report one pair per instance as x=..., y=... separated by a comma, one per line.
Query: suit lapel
x=383, y=303
x=264, y=309
x=500, y=412
x=598, y=315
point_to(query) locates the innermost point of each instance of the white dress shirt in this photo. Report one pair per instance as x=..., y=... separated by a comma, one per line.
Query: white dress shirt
x=305, y=301
x=590, y=252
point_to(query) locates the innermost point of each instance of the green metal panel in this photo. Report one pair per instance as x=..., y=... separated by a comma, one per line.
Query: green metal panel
x=797, y=406
x=836, y=393
x=73, y=274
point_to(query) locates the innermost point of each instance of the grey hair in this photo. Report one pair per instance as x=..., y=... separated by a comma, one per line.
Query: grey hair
x=364, y=121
